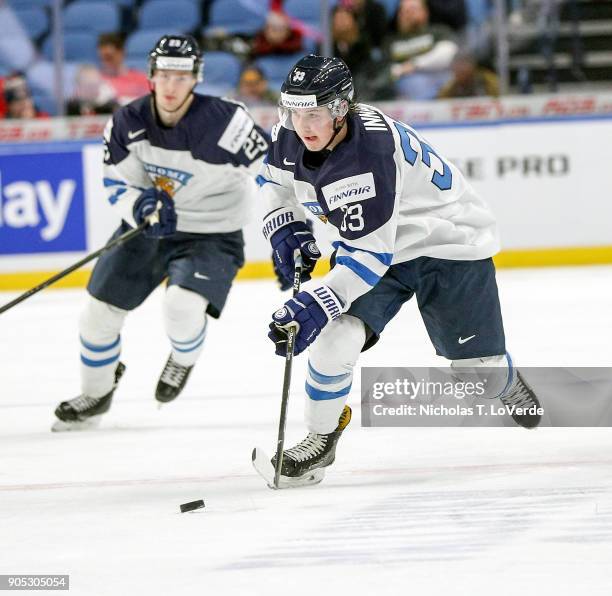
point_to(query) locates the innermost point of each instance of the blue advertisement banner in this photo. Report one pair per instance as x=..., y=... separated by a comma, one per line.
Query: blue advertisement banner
x=42, y=203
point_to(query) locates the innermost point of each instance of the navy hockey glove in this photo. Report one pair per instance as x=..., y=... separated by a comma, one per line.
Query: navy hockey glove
x=284, y=284
x=311, y=310
x=286, y=234
x=146, y=204
x=287, y=284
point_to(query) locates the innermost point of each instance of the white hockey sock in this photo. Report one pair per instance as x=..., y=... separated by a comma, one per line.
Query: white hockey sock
x=185, y=320
x=330, y=372
x=99, y=328
x=496, y=372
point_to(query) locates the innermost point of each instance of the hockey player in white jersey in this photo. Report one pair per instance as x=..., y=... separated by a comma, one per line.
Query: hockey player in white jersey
x=405, y=222
x=193, y=159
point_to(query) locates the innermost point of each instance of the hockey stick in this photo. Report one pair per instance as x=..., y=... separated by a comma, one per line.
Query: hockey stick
x=261, y=461
x=297, y=280
x=116, y=242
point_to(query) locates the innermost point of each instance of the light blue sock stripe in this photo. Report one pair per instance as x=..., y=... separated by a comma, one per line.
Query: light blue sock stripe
x=184, y=350
x=98, y=363
x=326, y=379
x=190, y=341
x=318, y=395
x=95, y=348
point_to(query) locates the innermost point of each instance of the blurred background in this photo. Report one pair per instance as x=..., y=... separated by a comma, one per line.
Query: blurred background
x=513, y=90
x=83, y=57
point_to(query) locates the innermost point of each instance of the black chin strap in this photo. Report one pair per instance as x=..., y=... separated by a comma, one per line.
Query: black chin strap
x=170, y=111
x=337, y=128
x=182, y=104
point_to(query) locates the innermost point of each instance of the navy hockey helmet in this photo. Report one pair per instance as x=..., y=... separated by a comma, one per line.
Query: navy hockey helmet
x=317, y=81
x=176, y=52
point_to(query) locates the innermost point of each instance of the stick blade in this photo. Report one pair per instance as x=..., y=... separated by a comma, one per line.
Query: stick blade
x=263, y=466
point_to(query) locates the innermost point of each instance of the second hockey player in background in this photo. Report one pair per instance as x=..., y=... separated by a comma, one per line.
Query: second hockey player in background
x=191, y=159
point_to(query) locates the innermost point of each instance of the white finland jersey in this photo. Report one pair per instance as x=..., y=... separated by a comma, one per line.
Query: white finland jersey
x=389, y=196
x=207, y=163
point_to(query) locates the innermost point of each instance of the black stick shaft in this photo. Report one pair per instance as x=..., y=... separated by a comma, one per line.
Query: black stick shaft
x=45, y=284
x=297, y=277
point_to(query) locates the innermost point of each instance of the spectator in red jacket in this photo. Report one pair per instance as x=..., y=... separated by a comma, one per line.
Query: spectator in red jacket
x=277, y=37
x=127, y=83
x=92, y=95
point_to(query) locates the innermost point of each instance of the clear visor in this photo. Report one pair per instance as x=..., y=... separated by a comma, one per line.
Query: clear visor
x=292, y=117
x=303, y=110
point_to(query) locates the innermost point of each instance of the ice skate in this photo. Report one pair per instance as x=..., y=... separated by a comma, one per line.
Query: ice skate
x=308, y=459
x=520, y=395
x=172, y=380
x=85, y=412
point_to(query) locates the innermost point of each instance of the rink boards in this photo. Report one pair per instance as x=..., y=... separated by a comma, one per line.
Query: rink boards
x=544, y=179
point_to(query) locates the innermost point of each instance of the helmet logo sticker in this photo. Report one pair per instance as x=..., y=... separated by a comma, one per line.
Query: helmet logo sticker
x=298, y=76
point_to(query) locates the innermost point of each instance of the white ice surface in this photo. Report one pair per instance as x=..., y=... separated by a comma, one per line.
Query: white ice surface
x=403, y=511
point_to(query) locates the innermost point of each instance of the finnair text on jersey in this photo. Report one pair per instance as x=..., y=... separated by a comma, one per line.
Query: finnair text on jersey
x=349, y=190
x=353, y=192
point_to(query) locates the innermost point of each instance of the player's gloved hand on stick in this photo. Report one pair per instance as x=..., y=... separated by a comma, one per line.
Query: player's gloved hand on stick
x=287, y=284
x=285, y=241
x=286, y=234
x=147, y=204
x=311, y=310
x=284, y=284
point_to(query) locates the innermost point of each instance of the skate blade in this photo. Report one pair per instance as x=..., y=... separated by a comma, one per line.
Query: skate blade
x=263, y=466
x=78, y=425
x=308, y=479
x=161, y=403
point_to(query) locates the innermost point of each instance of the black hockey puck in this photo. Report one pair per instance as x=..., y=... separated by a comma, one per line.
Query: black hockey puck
x=192, y=506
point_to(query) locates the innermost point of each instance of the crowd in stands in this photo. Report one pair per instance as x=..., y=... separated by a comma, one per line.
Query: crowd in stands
x=396, y=49
x=17, y=101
